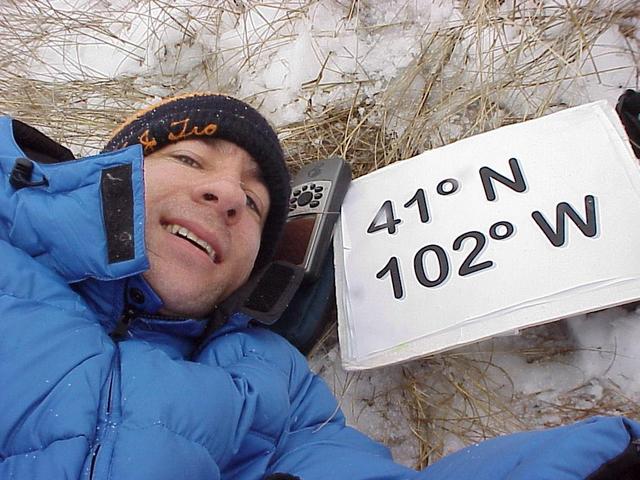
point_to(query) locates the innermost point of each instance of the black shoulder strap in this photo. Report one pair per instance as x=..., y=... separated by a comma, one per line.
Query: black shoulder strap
x=628, y=109
x=37, y=146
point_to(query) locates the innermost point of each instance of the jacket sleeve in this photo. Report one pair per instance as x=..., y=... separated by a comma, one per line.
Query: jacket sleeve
x=54, y=357
x=54, y=354
x=600, y=448
x=298, y=428
x=319, y=445
x=299, y=432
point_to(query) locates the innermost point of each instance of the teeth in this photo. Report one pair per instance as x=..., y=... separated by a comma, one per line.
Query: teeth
x=186, y=233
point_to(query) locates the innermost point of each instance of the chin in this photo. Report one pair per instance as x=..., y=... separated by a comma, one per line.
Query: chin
x=183, y=302
x=187, y=309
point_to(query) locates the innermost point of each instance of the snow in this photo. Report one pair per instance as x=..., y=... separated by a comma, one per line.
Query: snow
x=546, y=376
x=294, y=57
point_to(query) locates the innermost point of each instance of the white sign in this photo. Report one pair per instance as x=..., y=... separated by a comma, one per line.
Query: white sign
x=512, y=228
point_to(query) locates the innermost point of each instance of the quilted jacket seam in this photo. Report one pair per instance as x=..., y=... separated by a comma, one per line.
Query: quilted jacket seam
x=165, y=427
x=44, y=447
x=39, y=302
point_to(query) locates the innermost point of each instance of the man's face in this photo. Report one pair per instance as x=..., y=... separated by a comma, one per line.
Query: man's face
x=213, y=193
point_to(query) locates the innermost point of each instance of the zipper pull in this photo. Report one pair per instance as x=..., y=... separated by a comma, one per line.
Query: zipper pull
x=124, y=322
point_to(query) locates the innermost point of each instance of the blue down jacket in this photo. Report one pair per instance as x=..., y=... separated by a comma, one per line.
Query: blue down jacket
x=159, y=403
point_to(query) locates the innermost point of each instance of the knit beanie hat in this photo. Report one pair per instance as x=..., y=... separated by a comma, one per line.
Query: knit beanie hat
x=204, y=115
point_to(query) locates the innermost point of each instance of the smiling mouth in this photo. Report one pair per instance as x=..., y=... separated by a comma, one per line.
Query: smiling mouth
x=192, y=238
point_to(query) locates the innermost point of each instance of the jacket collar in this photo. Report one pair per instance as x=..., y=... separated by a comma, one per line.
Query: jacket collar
x=95, y=207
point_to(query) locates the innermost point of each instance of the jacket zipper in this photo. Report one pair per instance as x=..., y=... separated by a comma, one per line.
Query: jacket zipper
x=94, y=457
x=119, y=332
x=124, y=322
x=109, y=396
x=130, y=315
x=107, y=415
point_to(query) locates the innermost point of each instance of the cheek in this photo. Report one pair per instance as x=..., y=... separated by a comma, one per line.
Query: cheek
x=244, y=262
x=251, y=246
x=162, y=189
x=161, y=178
x=152, y=190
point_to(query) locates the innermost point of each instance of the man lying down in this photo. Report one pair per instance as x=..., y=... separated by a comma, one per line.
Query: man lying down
x=114, y=267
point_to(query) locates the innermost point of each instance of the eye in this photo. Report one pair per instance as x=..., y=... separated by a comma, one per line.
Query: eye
x=253, y=205
x=187, y=160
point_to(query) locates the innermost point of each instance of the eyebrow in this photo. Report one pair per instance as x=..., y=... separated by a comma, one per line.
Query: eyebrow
x=255, y=172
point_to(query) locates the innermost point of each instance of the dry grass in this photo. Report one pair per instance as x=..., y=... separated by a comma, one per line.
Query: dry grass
x=498, y=63
x=468, y=397
x=467, y=79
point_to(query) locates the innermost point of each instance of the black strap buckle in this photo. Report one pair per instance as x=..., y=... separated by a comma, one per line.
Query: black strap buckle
x=21, y=175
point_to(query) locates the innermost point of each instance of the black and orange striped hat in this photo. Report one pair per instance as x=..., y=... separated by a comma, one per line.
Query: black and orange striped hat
x=207, y=115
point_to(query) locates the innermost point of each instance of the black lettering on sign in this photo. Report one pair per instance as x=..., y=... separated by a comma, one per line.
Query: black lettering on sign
x=384, y=219
x=421, y=271
x=518, y=183
x=392, y=267
x=448, y=186
x=421, y=199
x=501, y=230
x=557, y=237
x=467, y=266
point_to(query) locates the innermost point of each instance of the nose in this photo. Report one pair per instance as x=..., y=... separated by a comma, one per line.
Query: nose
x=225, y=195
